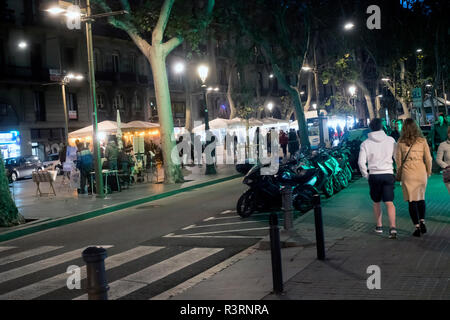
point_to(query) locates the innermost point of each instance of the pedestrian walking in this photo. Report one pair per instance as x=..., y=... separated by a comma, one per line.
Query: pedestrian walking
x=85, y=165
x=414, y=164
x=443, y=159
x=439, y=132
x=376, y=154
x=397, y=130
x=293, y=144
x=283, y=140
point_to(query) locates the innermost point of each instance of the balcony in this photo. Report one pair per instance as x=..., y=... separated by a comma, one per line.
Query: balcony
x=24, y=74
x=7, y=16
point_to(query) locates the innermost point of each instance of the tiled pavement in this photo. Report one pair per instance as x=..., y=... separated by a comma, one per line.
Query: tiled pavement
x=411, y=268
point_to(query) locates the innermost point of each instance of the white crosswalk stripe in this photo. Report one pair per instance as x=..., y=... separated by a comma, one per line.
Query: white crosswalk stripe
x=5, y=248
x=41, y=265
x=26, y=254
x=141, y=279
x=51, y=284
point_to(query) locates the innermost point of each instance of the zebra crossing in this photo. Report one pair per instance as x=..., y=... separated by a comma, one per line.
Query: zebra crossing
x=15, y=285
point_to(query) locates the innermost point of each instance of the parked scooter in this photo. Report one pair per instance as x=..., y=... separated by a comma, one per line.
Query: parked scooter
x=265, y=190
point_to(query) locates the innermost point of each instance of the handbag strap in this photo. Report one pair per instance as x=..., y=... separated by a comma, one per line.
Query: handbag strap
x=406, y=157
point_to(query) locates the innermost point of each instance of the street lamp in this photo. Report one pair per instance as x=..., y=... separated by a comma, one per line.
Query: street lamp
x=179, y=67
x=88, y=18
x=314, y=106
x=349, y=26
x=352, y=91
x=419, y=50
x=306, y=68
x=202, y=71
x=22, y=45
x=385, y=79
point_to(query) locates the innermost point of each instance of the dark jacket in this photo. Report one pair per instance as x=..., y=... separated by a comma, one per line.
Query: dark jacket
x=84, y=160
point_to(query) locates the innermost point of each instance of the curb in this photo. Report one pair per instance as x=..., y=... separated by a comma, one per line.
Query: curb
x=99, y=212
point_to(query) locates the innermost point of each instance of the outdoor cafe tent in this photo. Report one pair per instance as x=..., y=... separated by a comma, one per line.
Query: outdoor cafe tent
x=215, y=124
x=104, y=127
x=139, y=125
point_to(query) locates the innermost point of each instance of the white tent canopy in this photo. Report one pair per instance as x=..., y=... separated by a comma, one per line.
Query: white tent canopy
x=213, y=124
x=107, y=127
x=140, y=125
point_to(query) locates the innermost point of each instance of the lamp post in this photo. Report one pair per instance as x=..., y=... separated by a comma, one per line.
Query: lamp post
x=203, y=74
x=270, y=107
x=88, y=18
x=64, y=82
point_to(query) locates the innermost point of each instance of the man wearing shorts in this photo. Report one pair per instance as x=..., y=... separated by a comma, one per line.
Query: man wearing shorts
x=376, y=155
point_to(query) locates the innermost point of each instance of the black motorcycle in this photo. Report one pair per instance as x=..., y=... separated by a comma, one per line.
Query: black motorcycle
x=265, y=190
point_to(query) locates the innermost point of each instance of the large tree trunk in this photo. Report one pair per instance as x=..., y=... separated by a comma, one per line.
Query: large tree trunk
x=309, y=93
x=377, y=102
x=300, y=117
x=367, y=97
x=230, y=91
x=157, y=60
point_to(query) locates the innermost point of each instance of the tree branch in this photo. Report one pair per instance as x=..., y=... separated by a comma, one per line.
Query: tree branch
x=161, y=25
x=171, y=44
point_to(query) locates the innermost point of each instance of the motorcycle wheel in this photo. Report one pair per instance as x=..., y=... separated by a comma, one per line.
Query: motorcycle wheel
x=245, y=205
x=343, y=179
x=303, y=202
x=336, y=184
x=348, y=173
x=328, y=189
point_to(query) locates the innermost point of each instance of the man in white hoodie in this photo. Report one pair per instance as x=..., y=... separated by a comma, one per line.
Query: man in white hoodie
x=376, y=154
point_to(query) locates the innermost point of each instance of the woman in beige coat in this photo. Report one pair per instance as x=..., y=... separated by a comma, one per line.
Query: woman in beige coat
x=415, y=171
x=443, y=155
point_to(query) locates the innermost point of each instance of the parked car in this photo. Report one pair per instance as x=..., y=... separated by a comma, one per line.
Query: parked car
x=22, y=167
x=53, y=163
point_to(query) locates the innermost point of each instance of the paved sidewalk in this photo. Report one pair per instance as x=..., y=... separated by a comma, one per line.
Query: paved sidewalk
x=68, y=203
x=411, y=268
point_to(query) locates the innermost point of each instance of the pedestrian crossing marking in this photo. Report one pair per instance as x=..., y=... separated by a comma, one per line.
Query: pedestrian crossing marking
x=43, y=287
x=41, y=265
x=26, y=254
x=172, y=235
x=141, y=279
x=6, y=248
x=221, y=224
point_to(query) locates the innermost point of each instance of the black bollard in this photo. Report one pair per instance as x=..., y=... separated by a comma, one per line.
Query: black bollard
x=275, y=250
x=288, y=208
x=320, y=242
x=97, y=286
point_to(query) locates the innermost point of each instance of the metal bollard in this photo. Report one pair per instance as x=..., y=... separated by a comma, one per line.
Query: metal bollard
x=275, y=250
x=288, y=209
x=97, y=286
x=320, y=242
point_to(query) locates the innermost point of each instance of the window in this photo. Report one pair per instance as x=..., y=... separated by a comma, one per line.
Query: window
x=69, y=58
x=132, y=63
x=101, y=101
x=98, y=60
x=178, y=109
x=137, y=103
x=118, y=102
x=115, y=62
x=39, y=106
x=72, y=106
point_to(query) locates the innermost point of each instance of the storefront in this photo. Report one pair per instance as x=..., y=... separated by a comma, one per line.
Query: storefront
x=10, y=144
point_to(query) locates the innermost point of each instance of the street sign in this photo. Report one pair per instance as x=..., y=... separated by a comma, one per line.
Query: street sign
x=417, y=97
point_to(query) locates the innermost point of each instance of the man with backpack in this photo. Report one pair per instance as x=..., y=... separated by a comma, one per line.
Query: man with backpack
x=85, y=165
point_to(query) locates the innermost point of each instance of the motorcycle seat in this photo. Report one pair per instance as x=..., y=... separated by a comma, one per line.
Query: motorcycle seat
x=304, y=176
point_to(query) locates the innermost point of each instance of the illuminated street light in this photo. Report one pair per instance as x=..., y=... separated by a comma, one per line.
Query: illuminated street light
x=428, y=85
x=203, y=73
x=380, y=96
x=419, y=50
x=216, y=89
x=306, y=68
x=179, y=67
x=352, y=90
x=349, y=26
x=302, y=92
x=314, y=106
x=385, y=79
x=210, y=89
x=271, y=75
x=55, y=10
x=270, y=106
x=22, y=45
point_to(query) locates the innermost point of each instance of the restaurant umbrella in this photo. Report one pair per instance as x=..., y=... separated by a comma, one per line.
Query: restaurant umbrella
x=119, y=131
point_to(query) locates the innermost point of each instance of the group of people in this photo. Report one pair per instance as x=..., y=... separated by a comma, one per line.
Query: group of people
x=289, y=141
x=413, y=161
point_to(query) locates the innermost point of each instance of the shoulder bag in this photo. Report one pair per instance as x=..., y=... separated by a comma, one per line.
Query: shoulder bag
x=398, y=176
